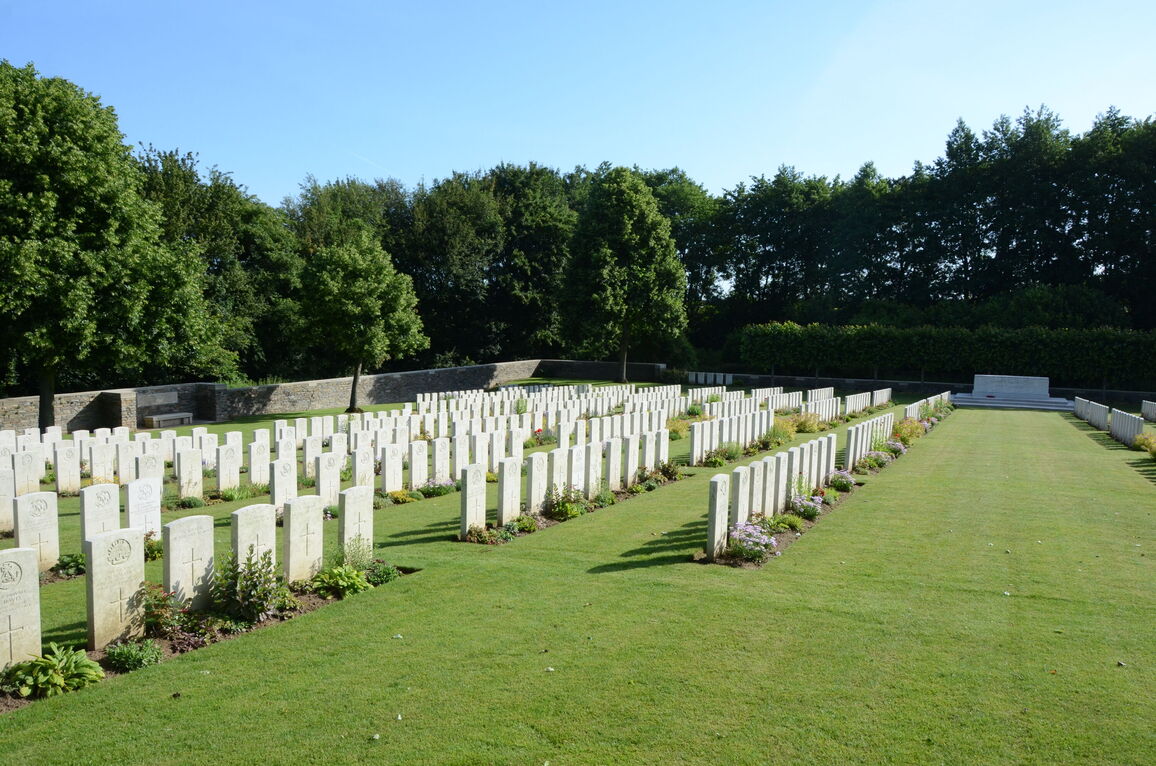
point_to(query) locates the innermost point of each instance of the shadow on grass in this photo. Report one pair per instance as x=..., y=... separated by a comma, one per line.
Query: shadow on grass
x=1100, y=437
x=653, y=553
x=72, y=633
x=427, y=534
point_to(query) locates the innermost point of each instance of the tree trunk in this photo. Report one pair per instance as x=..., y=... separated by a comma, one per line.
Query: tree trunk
x=47, y=397
x=622, y=358
x=353, y=391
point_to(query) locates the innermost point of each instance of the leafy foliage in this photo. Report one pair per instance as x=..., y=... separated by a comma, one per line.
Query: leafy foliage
x=60, y=670
x=127, y=656
x=250, y=591
x=339, y=582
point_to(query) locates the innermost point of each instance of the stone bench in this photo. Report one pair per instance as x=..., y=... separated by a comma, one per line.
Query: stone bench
x=169, y=419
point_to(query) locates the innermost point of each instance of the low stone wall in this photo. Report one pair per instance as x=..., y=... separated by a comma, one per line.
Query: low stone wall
x=216, y=402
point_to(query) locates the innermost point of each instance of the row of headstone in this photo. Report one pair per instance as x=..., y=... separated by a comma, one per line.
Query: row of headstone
x=826, y=409
x=880, y=396
x=742, y=430
x=1093, y=413
x=863, y=437
x=912, y=410
x=820, y=393
x=115, y=564
x=710, y=378
x=1148, y=410
x=585, y=468
x=1124, y=427
x=765, y=487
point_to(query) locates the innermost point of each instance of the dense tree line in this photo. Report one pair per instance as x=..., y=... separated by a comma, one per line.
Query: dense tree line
x=1022, y=225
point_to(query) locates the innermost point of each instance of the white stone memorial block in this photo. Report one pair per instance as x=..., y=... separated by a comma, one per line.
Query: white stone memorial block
x=473, y=480
x=593, y=464
x=558, y=471
x=209, y=444
x=37, y=527
x=234, y=439
x=7, y=494
x=509, y=490
x=339, y=443
x=121, y=433
x=287, y=449
x=663, y=446
x=461, y=445
x=301, y=537
x=126, y=455
x=497, y=449
x=180, y=444
x=630, y=465
x=104, y=434
x=716, y=522
x=441, y=460
x=537, y=482
x=795, y=478
x=755, y=504
x=518, y=444
x=355, y=516
x=768, y=501
x=613, y=451
x=576, y=472
x=282, y=481
x=740, y=495
x=26, y=472
x=188, y=569
x=301, y=431
x=258, y=462
x=228, y=467
x=328, y=471
x=832, y=446
x=418, y=464
x=391, y=462
x=580, y=431
x=480, y=449
x=309, y=453
x=190, y=474
x=19, y=606
x=564, y=430
x=113, y=586
x=66, y=460
x=150, y=466
x=783, y=492
x=142, y=505
x=254, y=526
x=99, y=509
x=650, y=450
x=363, y=465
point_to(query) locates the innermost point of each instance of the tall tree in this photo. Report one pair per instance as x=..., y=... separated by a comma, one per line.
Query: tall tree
x=625, y=281
x=356, y=303
x=87, y=282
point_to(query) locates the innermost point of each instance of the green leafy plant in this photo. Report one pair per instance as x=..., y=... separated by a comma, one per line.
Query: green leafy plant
x=908, y=430
x=70, y=565
x=127, y=656
x=60, y=670
x=250, y=591
x=433, y=489
x=339, y=582
x=380, y=572
x=526, y=524
x=481, y=535
x=565, y=503
x=694, y=411
x=401, y=497
x=806, y=423
x=357, y=553
x=154, y=549
x=782, y=523
x=191, y=502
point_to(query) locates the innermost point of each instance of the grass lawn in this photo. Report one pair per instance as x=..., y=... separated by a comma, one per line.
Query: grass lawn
x=969, y=605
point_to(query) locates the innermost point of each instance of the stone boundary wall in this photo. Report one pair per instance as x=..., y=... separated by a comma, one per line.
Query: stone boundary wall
x=216, y=402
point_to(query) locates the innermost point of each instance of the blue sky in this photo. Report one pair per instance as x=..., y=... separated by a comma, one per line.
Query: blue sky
x=725, y=90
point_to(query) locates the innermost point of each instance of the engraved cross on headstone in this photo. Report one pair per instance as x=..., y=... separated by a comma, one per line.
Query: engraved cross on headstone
x=311, y=532
x=192, y=565
x=118, y=602
x=7, y=633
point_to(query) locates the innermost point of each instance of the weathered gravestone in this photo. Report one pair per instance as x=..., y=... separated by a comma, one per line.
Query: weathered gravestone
x=509, y=490
x=716, y=524
x=188, y=569
x=282, y=481
x=37, y=527
x=99, y=509
x=301, y=537
x=113, y=586
x=67, y=466
x=19, y=606
x=473, y=498
x=355, y=516
x=254, y=527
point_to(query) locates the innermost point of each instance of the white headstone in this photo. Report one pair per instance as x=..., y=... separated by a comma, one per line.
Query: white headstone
x=254, y=526
x=441, y=461
x=536, y=481
x=67, y=467
x=418, y=464
x=740, y=495
x=716, y=526
x=509, y=490
x=37, y=527
x=19, y=606
x=328, y=471
x=363, y=465
x=142, y=505
x=301, y=537
x=259, y=461
x=113, y=582
x=282, y=481
x=188, y=569
x=99, y=509
x=190, y=474
x=391, y=461
x=355, y=516
x=473, y=498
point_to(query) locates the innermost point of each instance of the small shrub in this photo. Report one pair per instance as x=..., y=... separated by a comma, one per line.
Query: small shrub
x=127, y=656
x=380, y=572
x=507, y=532
x=250, y=591
x=401, y=497
x=748, y=542
x=678, y=429
x=60, y=670
x=329, y=512
x=70, y=565
x=339, y=582
x=714, y=398
x=1144, y=442
x=307, y=481
x=491, y=477
x=481, y=535
x=895, y=447
x=565, y=503
x=783, y=522
x=908, y=430
x=807, y=423
x=842, y=481
x=526, y=524
x=433, y=489
x=191, y=502
x=162, y=611
x=694, y=411
x=603, y=499
x=154, y=549
x=357, y=553
x=669, y=471
x=808, y=507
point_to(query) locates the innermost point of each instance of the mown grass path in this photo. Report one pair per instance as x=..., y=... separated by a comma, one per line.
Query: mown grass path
x=969, y=605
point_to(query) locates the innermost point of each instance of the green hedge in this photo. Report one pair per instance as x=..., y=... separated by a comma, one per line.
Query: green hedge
x=1123, y=359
